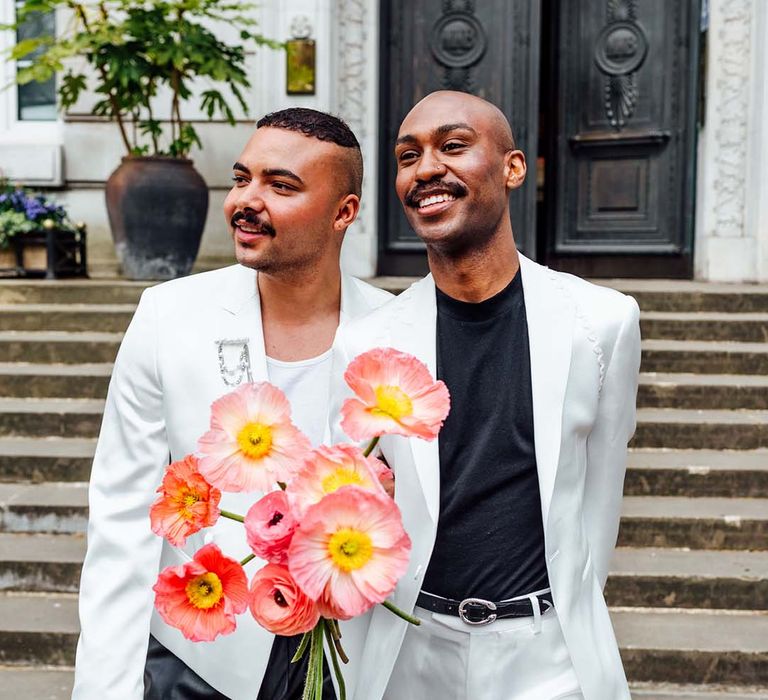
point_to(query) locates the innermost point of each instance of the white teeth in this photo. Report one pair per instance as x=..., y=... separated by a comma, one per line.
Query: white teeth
x=435, y=199
x=248, y=229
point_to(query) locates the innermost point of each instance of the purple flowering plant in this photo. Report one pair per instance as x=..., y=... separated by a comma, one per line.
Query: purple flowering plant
x=22, y=211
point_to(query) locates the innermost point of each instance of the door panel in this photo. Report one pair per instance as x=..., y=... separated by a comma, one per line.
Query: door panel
x=624, y=137
x=488, y=48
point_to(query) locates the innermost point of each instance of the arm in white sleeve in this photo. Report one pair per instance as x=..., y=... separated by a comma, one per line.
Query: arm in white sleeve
x=123, y=555
x=607, y=443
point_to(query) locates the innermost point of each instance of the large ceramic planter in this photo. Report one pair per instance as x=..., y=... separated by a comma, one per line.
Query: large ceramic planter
x=157, y=208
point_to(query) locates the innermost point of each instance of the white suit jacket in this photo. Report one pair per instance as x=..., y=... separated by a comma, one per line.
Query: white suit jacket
x=165, y=378
x=585, y=356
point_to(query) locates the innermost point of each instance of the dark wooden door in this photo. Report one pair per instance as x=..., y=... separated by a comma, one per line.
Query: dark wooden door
x=489, y=48
x=621, y=161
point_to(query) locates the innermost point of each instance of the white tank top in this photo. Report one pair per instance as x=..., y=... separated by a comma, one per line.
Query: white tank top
x=306, y=384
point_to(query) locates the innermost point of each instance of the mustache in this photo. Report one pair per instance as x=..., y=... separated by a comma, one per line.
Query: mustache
x=455, y=189
x=252, y=220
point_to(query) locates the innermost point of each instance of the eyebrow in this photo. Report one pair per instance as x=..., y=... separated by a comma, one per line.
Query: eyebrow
x=240, y=166
x=439, y=131
x=282, y=172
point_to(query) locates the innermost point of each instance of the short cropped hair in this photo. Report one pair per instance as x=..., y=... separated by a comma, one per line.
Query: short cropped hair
x=324, y=127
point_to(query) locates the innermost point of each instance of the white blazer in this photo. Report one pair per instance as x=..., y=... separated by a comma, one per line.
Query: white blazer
x=585, y=357
x=165, y=378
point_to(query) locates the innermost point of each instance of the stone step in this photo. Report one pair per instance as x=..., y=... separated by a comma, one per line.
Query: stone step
x=50, y=417
x=41, y=563
x=696, y=523
x=705, y=357
x=44, y=508
x=38, y=629
x=680, y=578
x=693, y=646
x=721, y=391
x=709, y=691
x=695, y=473
x=111, y=291
x=36, y=683
x=700, y=429
x=682, y=325
x=46, y=459
x=22, y=380
x=64, y=317
x=690, y=296
x=58, y=346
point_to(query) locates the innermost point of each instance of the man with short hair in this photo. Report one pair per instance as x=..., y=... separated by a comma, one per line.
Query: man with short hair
x=514, y=511
x=272, y=317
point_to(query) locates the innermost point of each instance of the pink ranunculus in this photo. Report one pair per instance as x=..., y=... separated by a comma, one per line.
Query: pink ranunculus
x=252, y=443
x=279, y=605
x=327, y=469
x=269, y=527
x=187, y=502
x=396, y=395
x=349, y=551
x=202, y=597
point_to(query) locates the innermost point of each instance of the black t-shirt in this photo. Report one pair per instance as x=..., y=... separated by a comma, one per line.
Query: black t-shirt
x=490, y=538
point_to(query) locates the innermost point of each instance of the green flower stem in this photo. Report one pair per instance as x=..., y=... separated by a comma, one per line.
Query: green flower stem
x=250, y=557
x=302, y=647
x=309, y=681
x=333, y=626
x=320, y=653
x=232, y=516
x=401, y=613
x=371, y=445
x=332, y=641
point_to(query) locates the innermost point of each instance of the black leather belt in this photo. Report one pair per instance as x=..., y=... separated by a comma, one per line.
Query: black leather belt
x=476, y=611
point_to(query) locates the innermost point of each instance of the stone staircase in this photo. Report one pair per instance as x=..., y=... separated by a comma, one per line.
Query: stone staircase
x=689, y=583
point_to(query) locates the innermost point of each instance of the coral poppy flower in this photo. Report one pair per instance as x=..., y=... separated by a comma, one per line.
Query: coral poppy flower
x=187, y=503
x=269, y=526
x=252, y=443
x=327, y=469
x=396, y=395
x=202, y=597
x=279, y=605
x=349, y=551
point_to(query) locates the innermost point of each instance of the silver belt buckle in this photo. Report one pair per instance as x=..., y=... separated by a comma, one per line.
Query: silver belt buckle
x=476, y=601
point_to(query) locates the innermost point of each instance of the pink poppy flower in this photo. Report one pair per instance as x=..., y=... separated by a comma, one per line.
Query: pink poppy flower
x=349, y=551
x=396, y=395
x=252, y=443
x=327, y=469
x=269, y=526
x=202, y=597
x=187, y=502
x=279, y=605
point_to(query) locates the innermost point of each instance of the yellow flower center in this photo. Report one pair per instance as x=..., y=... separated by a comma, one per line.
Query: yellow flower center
x=255, y=440
x=392, y=401
x=350, y=549
x=339, y=478
x=205, y=591
x=186, y=498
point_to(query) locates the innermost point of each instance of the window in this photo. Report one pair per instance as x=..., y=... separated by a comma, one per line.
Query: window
x=36, y=101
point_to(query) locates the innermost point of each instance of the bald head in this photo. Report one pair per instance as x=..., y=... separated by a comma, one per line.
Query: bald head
x=473, y=110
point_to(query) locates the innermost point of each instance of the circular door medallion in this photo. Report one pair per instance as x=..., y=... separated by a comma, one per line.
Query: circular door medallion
x=621, y=48
x=458, y=40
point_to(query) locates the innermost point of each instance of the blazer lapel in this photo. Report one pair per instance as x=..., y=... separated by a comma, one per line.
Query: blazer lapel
x=550, y=317
x=415, y=331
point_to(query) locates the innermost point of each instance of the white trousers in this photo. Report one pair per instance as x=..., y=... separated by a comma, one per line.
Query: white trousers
x=514, y=659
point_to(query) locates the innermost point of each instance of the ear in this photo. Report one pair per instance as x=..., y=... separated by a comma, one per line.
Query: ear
x=515, y=169
x=347, y=212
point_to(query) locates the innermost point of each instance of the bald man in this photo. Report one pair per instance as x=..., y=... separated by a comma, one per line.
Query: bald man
x=514, y=511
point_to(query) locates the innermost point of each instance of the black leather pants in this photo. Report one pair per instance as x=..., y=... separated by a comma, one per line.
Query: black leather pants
x=166, y=677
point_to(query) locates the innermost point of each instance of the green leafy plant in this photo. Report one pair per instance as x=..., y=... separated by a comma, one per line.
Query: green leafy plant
x=139, y=53
x=22, y=212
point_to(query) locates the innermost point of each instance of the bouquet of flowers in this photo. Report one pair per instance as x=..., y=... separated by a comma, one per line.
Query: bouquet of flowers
x=22, y=212
x=331, y=538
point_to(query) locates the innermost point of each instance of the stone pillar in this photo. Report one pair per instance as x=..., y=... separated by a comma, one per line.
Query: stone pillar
x=731, y=221
x=356, y=101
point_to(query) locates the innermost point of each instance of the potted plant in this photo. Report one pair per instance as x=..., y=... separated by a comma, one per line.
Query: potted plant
x=36, y=236
x=139, y=58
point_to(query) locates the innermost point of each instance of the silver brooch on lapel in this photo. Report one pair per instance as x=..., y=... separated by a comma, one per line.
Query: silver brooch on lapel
x=234, y=361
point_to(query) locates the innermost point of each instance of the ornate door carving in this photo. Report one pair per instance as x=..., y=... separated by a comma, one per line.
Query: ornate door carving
x=624, y=139
x=486, y=47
